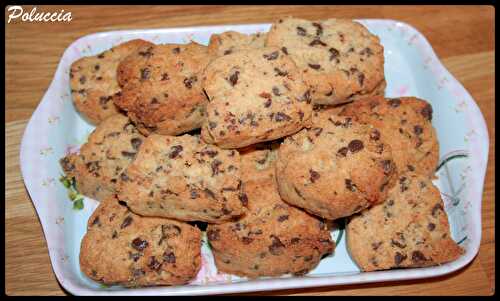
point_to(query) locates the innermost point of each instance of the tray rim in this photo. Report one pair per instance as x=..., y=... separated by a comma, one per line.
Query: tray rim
x=276, y=283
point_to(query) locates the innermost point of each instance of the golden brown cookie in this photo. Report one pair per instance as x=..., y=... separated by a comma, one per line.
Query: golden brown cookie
x=339, y=58
x=231, y=41
x=254, y=96
x=93, y=81
x=108, y=151
x=406, y=125
x=123, y=248
x=162, y=92
x=183, y=178
x=410, y=229
x=335, y=168
x=273, y=238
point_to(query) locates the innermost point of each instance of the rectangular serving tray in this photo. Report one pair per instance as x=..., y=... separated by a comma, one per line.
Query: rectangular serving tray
x=411, y=69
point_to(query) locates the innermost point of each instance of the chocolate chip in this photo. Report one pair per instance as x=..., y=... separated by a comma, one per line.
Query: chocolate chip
x=96, y=221
x=436, y=208
x=101, y=56
x=176, y=50
x=83, y=79
x=165, y=76
x=282, y=117
x=209, y=152
x=126, y=222
x=418, y=130
x=343, y=151
x=410, y=167
x=139, y=244
x=128, y=154
x=136, y=143
x=138, y=273
x=92, y=166
x=376, y=245
x=268, y=103
x=427, y=112
x=215, y=167
x=124, y=177
x=403, y=183
x=276, y=91
x=394, y=102
x=375, y=135
x=243, y=199
x=306, y=97
x=314, y=66
x=233, y=79
x=66, y=164
x=313, y=175
x=103, y=100
x=134, y=256
x=398, y=258
x=319, y=28
x=169, y=257
x=355, y=146
x=212, y=125
x=431, y=226
x=418, y=257
x=398, y=244
x=317, y=131
x=226, y=52
x=148, y=53
x=276, y=248
x=188, y=82
x=154, y=264
x=295, y=240
x=388, y=166
x=361, y=78
x=114, y=235
x=145, y=73
x=334, y=53
x=175, y=151
x=349, y=185
x=279, y=72
x=246, y=240
x=213, y=235
x=282, y=218
x=301, y=31
x=317, y=42
x=285, y=51
x=194, y=194
x=271, y=56
x=209, y=193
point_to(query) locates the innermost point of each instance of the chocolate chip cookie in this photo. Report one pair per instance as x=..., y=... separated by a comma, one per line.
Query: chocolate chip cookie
x=410, y=229
x=162, y=92
x=334, y=168
x=254, y=96
x=273, y=238
x=183, y=178
x=232, y=41
x=339, y=58
x=108, y=151
x=406, y=123
x=124, y=248
x=93, y=81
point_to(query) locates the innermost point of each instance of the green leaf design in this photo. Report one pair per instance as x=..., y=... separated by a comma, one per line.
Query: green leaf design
x=78, y=204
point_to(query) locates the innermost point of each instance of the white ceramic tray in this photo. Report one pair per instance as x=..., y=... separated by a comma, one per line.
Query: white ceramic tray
x=411, y=69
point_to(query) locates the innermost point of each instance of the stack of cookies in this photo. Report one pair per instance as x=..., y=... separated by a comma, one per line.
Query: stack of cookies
x=266, y=138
